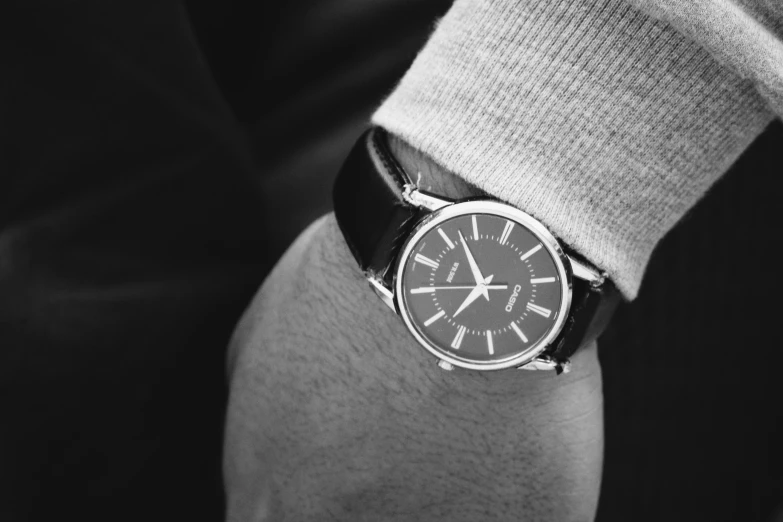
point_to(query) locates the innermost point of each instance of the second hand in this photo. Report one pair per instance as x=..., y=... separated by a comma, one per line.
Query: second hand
x=429, y=289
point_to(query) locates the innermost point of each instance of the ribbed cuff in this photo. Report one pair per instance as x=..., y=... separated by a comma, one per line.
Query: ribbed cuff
x=601, y=122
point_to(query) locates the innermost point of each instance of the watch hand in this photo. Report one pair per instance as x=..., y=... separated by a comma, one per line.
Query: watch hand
x=472, y=296
x=473, y=266
x=480, y=289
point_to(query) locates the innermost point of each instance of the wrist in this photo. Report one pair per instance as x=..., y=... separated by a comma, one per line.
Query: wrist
x=427, y=174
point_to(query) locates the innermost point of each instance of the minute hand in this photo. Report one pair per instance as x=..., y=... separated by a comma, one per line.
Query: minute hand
x=473, y=266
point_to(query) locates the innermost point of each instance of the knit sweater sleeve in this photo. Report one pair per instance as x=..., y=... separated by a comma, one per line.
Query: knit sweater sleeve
x=605, y=122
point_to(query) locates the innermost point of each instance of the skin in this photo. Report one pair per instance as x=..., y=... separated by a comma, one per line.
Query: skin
x=336, y=413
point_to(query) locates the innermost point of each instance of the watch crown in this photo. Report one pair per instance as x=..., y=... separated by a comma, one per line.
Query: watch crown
x=445, y=365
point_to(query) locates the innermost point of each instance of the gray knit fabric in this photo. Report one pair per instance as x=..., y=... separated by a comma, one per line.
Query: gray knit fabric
x=603, y=122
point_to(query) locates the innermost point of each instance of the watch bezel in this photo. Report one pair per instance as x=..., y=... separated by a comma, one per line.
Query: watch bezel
x=494, y=208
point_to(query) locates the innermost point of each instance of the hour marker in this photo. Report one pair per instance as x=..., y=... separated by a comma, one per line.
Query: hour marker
x=423, y=290
x=506, y=232
x=445, y=238
x=489, y=342
x=531, y=252
x=458, y=339
x=519, y=332
x=434, y=318
x=426, y=261
x=540, y=310
x=542, y=280
x=475, y=229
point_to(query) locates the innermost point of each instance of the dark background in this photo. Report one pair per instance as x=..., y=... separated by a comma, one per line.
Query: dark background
x=124, y=261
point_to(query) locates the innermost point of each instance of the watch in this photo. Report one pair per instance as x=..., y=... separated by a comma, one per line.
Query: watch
x=479, y=283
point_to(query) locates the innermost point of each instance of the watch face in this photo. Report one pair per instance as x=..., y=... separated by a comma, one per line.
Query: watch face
x=483, y=285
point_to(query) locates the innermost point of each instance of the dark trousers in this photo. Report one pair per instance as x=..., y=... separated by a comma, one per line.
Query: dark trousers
x=131, y=236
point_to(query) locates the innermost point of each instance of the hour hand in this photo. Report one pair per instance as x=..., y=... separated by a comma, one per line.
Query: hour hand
x=473, y=295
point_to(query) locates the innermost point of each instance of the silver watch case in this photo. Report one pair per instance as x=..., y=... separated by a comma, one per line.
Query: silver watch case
x=441, y=210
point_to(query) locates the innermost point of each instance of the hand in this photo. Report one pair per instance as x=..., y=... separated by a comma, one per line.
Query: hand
x=336, y=413
x=474, y=268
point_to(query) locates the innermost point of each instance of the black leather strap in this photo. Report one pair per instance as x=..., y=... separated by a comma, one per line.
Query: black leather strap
x=369, y=207
x=591, y=310
x=375, y=221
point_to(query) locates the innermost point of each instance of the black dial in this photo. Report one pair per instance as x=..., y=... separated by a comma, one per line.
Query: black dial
x=481, y=288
